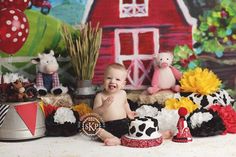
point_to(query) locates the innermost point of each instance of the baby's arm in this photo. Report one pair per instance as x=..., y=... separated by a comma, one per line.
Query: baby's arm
x=130, y=114
x=101, y=105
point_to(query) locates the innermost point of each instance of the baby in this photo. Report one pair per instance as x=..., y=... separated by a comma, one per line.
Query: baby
x=111, y=104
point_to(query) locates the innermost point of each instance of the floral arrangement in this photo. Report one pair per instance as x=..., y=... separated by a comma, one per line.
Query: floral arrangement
x=228, y=115
x=48, y=109
x=61, y=121
x=12, y=77
x=204, y=122
x=182, y=102
x=201, y=81
x=82, y=109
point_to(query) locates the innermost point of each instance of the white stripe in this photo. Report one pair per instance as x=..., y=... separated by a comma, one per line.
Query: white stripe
x=3, y=111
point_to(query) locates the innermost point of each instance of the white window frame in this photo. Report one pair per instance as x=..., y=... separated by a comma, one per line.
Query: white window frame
x=129, y=10
x=136, y=58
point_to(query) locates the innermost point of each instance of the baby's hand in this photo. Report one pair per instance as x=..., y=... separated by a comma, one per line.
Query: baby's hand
x=106, y=103
x=132, y=114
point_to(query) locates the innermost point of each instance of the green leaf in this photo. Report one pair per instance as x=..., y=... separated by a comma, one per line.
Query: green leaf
x=221, y=32
x=216, y=14
x=203, y=26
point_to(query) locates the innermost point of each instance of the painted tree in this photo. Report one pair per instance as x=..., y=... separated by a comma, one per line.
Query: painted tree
x=216, y=31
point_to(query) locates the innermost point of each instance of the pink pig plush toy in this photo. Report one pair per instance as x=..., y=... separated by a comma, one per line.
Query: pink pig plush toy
x=165, y=75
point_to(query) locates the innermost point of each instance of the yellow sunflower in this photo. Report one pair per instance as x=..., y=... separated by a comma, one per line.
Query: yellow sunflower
x=175, y=104
x=202, y=81
x=82, y=109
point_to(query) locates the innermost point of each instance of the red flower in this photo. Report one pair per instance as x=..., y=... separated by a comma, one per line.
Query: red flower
x=48, y=109
x=228, y=115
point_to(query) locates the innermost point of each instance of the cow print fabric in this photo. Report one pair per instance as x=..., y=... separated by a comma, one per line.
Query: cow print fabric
x=205, y=101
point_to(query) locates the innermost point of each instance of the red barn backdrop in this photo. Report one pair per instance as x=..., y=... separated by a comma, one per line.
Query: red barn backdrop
x=136, y=30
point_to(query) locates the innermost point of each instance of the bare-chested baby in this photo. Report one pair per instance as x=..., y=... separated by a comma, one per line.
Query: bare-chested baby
x=111, y=104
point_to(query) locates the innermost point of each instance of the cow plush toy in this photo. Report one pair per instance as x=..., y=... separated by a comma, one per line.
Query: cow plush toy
x=165, y=75
x=47, y=79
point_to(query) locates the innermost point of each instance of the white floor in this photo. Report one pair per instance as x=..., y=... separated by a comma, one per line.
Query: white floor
x=81, y=146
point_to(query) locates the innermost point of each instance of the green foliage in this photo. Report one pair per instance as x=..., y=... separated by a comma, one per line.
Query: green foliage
x=185, y=58
x=217, y=29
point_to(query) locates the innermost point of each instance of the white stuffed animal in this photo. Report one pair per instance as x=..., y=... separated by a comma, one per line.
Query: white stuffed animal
x=47, y=79
x=165, y=75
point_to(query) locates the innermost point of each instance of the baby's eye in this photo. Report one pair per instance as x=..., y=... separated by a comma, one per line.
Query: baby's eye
x=167, y=58
x=161, y=59
x=109, y=78
x=117, y=79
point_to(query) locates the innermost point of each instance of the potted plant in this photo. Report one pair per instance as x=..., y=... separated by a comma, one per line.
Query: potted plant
x=83, y=44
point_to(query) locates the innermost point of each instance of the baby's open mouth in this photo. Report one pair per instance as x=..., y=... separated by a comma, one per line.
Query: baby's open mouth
x=112, y=86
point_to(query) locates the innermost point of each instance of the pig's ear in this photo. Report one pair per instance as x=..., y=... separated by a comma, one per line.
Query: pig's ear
x=35, y=60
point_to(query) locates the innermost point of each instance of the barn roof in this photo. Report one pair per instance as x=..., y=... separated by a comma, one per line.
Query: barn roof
x=181, y=6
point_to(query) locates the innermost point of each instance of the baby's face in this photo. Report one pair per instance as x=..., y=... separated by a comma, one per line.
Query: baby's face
x=114, y=80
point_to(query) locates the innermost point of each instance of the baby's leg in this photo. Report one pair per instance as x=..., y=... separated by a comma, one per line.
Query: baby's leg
x=108, y=138
x=114, y=141
x=167, y=134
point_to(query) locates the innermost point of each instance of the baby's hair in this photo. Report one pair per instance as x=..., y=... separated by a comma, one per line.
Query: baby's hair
x=115, y=66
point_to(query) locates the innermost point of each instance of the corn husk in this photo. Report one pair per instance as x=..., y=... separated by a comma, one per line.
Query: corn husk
x=83, y=47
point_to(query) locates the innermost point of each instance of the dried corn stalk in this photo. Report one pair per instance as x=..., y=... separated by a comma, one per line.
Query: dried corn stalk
x=83, y=47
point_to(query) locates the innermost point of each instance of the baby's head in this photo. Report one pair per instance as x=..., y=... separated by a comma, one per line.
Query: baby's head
x=114, y=77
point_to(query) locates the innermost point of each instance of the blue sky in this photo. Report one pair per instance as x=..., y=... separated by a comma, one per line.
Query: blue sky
x=57, y=2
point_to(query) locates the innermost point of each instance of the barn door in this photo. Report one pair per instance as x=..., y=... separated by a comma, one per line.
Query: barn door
x=135, y=49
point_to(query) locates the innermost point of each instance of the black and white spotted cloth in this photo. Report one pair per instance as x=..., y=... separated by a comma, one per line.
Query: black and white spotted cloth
x=221, y=97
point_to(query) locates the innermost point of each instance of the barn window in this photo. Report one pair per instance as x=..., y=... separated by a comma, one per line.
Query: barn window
x=133, y=8
x=126, y=43
x=146, y=44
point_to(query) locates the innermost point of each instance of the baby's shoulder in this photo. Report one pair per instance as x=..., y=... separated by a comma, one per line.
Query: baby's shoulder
x=99, y=95
x=123, y=92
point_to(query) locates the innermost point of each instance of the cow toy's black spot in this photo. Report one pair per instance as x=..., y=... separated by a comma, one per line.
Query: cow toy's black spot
x=132, y=130
x=142, y=127
x=139, y=134
x=149, y=131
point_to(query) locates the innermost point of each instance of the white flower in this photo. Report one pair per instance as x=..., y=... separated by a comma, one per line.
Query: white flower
x=63, y=115
x=167, y=119
x=12, y=77
x=146, y=110
x=198, y=118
